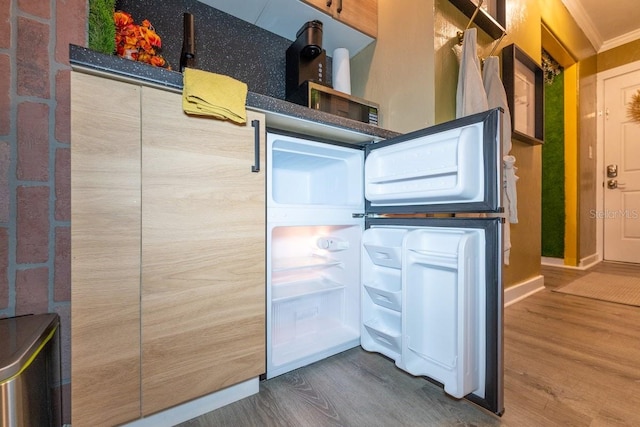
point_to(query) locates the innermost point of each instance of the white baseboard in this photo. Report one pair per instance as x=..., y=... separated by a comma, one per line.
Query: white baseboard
x=553, y=262
x=585, y=263
x=200, y=406
x=522, y=290
x=590, y=261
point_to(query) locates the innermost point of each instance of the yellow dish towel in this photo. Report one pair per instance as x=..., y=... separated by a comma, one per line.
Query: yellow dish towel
x=210, y=94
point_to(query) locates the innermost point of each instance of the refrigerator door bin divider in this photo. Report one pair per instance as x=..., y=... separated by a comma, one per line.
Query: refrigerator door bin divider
x=388, y=291
x=380, y=255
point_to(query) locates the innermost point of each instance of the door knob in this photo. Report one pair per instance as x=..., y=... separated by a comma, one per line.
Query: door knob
x=612, y=171
x=612, y=184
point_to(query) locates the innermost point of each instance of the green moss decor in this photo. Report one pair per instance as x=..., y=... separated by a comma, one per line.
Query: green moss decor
x=102, y=29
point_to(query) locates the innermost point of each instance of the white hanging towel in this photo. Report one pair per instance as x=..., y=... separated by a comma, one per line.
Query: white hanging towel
x=470, y=94
x=497, y=97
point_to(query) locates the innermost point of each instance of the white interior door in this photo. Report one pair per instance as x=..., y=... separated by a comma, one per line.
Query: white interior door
x=621, y=215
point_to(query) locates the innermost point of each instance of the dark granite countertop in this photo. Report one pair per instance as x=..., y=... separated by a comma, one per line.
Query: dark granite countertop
x=280, y=113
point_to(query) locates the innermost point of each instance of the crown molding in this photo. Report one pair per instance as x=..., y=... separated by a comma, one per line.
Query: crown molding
x=620, y=40
x=584, y=22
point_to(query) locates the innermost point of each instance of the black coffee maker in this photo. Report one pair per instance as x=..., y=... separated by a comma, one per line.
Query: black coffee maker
x=306, y=62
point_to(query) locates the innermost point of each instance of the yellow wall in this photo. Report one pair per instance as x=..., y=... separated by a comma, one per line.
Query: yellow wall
x=397, y=71
x=618, y=56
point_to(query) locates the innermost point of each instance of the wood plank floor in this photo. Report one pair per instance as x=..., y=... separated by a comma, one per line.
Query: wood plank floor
x=569, y=361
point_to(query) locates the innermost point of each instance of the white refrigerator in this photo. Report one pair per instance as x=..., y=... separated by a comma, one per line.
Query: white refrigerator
x=395, y=246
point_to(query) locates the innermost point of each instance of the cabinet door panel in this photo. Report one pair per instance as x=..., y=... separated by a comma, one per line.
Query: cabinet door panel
x=359, y=14
x=203, y=259
x=105, y=251
x=323, y=5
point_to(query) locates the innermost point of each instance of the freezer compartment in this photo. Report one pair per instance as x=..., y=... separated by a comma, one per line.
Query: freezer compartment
x=305, y=173
x=445, y=167
x=443, y=308
x=313, y=294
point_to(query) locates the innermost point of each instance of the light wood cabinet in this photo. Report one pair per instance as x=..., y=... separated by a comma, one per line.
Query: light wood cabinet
x=203, y=254
x=168, y=252
x=359, y=14
x=105, y=251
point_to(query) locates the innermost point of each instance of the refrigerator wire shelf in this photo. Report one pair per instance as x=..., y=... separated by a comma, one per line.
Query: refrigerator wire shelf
x=286, y=291
x=304, y=262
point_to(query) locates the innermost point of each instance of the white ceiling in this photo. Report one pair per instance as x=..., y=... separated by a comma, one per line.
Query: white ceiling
x=607, y=23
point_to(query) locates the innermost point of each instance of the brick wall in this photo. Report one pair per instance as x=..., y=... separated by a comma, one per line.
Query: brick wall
x=34, y=160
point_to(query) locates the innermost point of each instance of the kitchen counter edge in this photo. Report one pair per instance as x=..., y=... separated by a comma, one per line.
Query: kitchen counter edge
x=280, y=114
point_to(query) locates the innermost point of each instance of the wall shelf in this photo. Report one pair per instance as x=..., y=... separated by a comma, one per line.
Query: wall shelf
x=494, y=26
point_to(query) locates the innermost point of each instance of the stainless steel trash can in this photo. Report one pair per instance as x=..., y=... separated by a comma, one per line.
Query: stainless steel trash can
x=29, y=371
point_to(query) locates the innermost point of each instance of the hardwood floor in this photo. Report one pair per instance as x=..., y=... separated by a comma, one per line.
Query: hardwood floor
x=569, y=361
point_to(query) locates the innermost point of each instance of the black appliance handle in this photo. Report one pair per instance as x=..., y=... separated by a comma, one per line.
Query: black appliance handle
x=256, y=126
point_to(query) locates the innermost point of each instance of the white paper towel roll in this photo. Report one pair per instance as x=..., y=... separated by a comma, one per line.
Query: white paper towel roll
x=341, y=70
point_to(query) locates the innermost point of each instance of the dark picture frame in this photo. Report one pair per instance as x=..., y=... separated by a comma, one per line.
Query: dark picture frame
x=491, y=17
x=523, y=81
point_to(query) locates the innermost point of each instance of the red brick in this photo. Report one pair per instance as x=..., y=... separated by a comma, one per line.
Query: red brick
x=32, y=57
x=5, y=163
x=32, y=225
x=63, y=185
x=62, y=273
x=71, y=21
x=63, y=106
x=36, y=7
x=32, y=291
x=5, y=24
x=33, y=142
x=4, y=265
x=5, y=94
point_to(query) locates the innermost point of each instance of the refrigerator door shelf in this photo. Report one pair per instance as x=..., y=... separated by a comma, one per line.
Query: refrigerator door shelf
x=382, y=333
x=386, y=293
x=381, y=295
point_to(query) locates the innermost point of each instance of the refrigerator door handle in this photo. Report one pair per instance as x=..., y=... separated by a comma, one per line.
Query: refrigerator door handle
x=256, y=126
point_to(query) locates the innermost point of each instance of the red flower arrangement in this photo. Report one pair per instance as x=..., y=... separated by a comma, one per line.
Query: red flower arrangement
x=137, y=42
